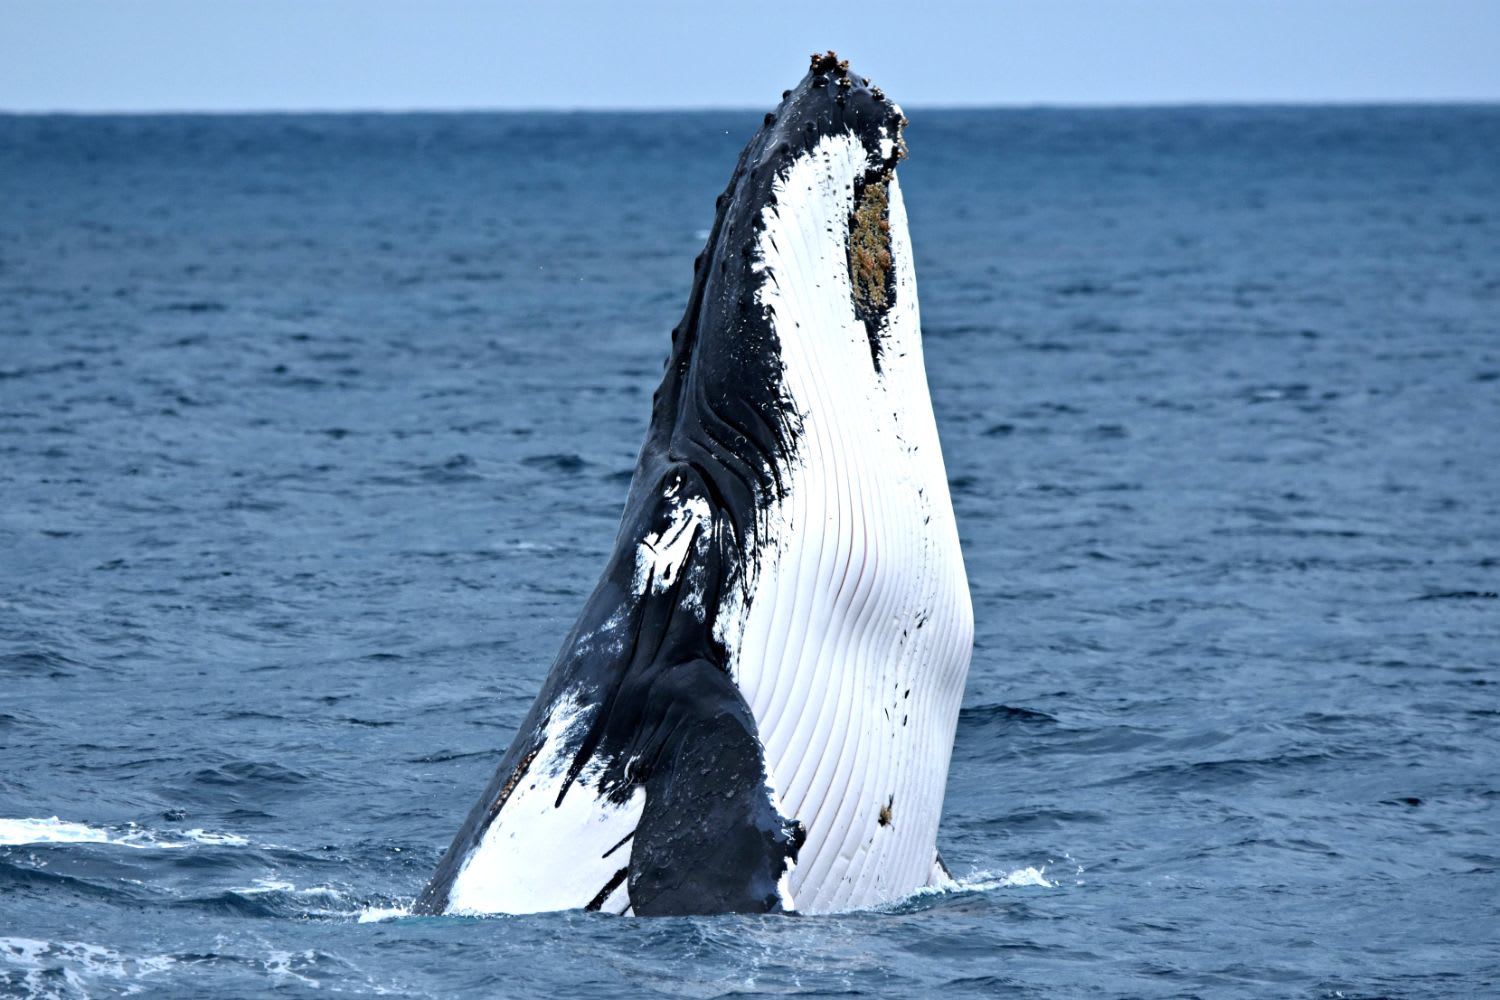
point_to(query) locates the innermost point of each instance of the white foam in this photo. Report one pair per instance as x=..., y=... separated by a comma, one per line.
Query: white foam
x=15, y=832
x=375, y=914
x=76, y=968
x=198, y=836
x=284, y=965
x=987, y=881
x=52, y=830
x=982, y=882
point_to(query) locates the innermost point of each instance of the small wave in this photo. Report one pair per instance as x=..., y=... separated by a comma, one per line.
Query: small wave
x=987, y=881
x=271, y=884
x=375, y=914
x=565, y=463
x=981, y=714
x=14, y=832
x=20, y=832
x=1459, y=595
x=275, y=897
x=199, y=836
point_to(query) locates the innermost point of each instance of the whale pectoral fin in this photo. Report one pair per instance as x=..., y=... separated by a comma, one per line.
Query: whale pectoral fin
x=710, y=840
x=940, y=875
x=637, y=701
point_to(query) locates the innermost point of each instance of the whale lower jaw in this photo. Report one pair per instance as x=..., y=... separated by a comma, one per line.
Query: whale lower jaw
x=853, y=646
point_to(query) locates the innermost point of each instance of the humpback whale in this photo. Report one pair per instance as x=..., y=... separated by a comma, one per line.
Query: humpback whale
x=755, y=709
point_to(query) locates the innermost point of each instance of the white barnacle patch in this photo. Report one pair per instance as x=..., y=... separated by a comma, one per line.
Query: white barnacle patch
x=540, y=854
x=660, y=556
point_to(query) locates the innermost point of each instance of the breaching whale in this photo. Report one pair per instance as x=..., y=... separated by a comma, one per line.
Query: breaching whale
x=756, y=707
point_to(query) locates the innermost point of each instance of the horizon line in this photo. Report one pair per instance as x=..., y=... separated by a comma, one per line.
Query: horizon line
x=1124, y=105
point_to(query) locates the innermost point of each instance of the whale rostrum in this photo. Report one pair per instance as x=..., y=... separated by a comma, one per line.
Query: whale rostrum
x=755, y=709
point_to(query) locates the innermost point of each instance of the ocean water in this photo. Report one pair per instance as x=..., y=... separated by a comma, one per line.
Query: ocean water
x=314, y=431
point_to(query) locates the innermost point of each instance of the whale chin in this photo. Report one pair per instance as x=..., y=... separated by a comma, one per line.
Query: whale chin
x=755, y=710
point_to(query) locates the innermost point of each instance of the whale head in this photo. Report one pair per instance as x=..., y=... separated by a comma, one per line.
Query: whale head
x=808, y=263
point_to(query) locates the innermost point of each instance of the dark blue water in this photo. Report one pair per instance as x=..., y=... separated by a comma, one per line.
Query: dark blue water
x=314, y=430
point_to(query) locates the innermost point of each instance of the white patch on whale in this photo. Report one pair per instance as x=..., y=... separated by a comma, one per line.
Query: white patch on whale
x=540, y=855
x=852, y=635
x=660, y=555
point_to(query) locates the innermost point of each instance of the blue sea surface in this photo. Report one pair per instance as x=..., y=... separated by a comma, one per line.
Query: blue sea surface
x=314, y=431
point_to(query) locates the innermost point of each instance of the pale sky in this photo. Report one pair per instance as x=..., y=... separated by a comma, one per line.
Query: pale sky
x=230, y=55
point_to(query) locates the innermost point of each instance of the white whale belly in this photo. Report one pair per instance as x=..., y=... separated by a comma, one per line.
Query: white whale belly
x=853, y=643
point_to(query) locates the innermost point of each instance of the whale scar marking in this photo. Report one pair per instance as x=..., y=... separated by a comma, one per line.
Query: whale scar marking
x=618, y=844
x=609, y=887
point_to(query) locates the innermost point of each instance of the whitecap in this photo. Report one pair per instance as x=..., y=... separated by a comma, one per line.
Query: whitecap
x=15, y=832
x=1028, y=876
x=52, y=830
x=987, y=881
x=375, y=914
